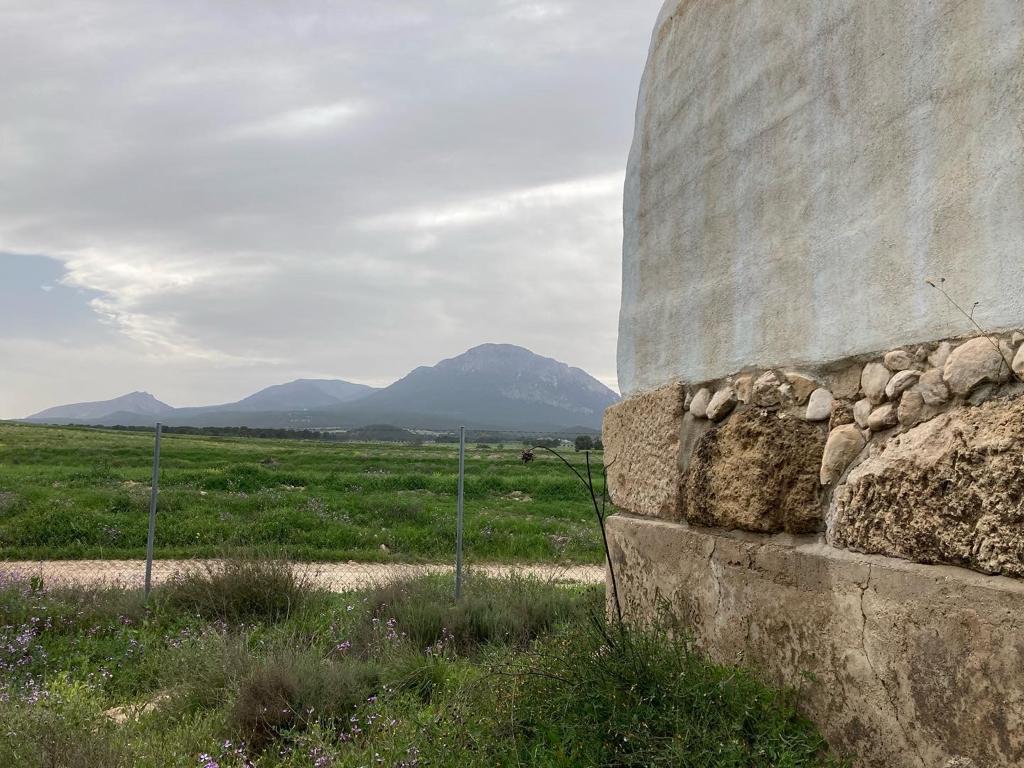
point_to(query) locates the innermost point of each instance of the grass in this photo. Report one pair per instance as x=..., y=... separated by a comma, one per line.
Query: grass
x=518, y=673
x=83, y=493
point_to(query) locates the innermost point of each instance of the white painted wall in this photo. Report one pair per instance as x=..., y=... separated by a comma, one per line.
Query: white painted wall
x=801, y=167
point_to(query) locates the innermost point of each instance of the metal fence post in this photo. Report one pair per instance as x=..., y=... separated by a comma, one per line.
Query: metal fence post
x=153, y=491
x=458, y=512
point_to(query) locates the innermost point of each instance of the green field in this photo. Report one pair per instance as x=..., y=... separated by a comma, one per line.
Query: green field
x=84, y=493
x=247, y=667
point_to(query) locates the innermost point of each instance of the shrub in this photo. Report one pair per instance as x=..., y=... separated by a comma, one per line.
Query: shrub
x=238, y=590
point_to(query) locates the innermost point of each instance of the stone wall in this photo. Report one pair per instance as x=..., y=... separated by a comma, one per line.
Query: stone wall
x=820, y=456
x=801, y=168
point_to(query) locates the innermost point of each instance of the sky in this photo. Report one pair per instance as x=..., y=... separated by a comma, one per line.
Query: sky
x=201, y=199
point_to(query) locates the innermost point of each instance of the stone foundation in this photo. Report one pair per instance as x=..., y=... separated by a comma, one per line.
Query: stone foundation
x=901, y=664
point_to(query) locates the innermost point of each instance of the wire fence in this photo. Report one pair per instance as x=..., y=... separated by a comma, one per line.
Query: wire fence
x=149, y=569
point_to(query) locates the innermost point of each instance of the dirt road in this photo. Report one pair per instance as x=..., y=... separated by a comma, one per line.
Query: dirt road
x=337, y=577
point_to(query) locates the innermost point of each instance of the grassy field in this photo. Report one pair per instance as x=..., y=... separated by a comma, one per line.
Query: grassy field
x=82, y=493
x=247, y=668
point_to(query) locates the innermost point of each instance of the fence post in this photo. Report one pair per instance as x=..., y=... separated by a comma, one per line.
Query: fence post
x=458, y=512
x=153, y=491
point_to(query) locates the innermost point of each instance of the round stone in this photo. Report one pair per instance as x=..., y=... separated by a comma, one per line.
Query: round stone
x=899, y=360
x=843, y=446
x=911, y=409
x=819, y=405
x=900, y=383
x=873, y=380
x=861, y=411
x=932, y=388
x=721, y=404
x=700, y=402
x=973, y=362
x=883, y=417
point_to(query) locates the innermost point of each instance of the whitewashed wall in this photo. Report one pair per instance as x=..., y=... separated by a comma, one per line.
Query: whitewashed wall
x=801, y=167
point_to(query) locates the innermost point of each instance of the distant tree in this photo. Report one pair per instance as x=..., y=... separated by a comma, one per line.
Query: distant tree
x=598, y=444
x=584, y=443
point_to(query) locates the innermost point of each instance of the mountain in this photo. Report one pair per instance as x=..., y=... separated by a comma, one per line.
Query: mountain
x=138, y=403
x=492, y=386
x=299, y=395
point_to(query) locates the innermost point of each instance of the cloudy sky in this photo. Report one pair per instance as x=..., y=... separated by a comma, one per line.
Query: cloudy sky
x=199, y=199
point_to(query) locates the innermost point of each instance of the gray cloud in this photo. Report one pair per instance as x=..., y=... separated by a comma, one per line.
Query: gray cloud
x=242, y=192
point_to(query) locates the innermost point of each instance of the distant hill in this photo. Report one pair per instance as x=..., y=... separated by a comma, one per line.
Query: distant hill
x=301, y=394
x=492, y=386
x=137, y=403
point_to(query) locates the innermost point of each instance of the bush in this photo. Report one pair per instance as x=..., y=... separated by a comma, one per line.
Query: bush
x=238, y=590
x=611, y=695
x=512, y=611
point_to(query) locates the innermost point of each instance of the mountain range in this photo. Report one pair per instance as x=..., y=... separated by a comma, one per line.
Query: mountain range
x=492, y=386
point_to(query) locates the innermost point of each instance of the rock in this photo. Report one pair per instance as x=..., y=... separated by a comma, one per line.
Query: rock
x=899, y=360
x=843, y=446
x=883, y=417
x=921, y=355
x=1018, y=363
x=721, y=404
x=932, y=388
x=900, y=383
x=819, y=405
x=765, y=391
x=802, y=387
x=949, y=490
x=756, y=472
x=700, y=402
x=1017, y=338
x=938, y=358
x=861, y=411
x=972, y=363
x=743, y=386
x=688, y=399
x=842, y=413
x=642, y=444
x=911, y=409
x=874, y=380
x=846, y=381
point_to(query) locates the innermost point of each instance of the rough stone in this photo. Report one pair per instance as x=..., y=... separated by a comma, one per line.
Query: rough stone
x=843, y=446
x=688, y=399
x=756, y=472
x=980, y=394
x=765, y=391
x=873, y=381
x=900, y=383
x=721, y=404
x=845, y=381
x=972, y=363
x=842, y=413
x=641, y=438
x=938, y=358
x=899, y=360
x=743, y=385
x=1018, y=362
x=950, y=490
x=700, y=402
x=819, y=405
x=803, y=386
x=1017, y=338
x=911, y=410
x=901, y=664
x=861, y=411
x=883, y=417
x=932, y=388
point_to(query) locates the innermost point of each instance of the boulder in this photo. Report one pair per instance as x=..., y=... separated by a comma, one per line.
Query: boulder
x=899, y=360
x=938, y=358
x=756, y=472
x=700, y=402
x=861, y=411
x=802, y=387
x=1018, y=363
x=845, y=381
x=873, y=381
x=950, y=490
x=973, y=362
x=765, y=392
x=883, y=417
x=911, y=410
x=819, y=405
x=721, y=404
x=932, y=388
x=743, y=385
x=843, y=446
x=900, y=383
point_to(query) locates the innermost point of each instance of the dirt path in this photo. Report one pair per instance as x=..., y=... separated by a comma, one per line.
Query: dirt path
x=337, y=577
